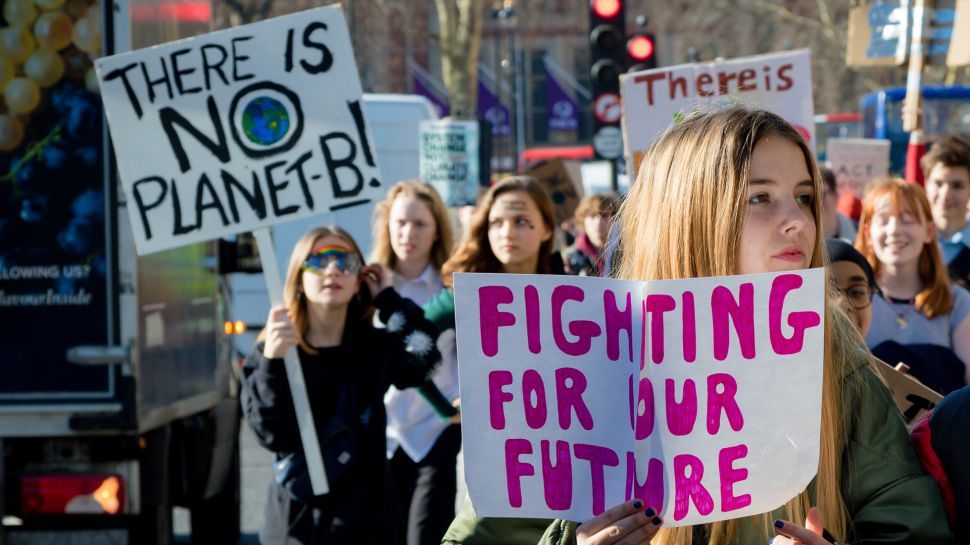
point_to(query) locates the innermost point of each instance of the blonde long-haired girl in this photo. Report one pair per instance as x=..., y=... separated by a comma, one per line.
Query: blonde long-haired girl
x=735, y=191
x=412, y=237
x=347, y=365
x=411, y=230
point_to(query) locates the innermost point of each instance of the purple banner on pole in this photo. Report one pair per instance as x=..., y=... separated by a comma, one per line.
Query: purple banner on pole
x=562, y=111
x=425, y=89
x=494, y=111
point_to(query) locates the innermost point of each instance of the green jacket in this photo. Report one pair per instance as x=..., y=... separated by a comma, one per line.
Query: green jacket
x=440, y=310
x=889, y=497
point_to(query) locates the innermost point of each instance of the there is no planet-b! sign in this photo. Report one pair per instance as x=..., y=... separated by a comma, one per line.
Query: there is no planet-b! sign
x=239, y=129
x=701, y=397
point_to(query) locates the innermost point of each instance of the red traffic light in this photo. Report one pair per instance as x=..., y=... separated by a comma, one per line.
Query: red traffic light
x=640, y=48
x=606, y=8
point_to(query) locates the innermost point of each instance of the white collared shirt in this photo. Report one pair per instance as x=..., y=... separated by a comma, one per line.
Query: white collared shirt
x=420, y=289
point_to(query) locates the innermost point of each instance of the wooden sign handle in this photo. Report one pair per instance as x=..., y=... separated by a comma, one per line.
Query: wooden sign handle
x=301, y=402
x=912, y=121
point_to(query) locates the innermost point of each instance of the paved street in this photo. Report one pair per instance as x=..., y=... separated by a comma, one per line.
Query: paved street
x=256, y=472
x=256, y=468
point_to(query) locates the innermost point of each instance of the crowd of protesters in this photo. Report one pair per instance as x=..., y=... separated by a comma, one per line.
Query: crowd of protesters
x=720, y=193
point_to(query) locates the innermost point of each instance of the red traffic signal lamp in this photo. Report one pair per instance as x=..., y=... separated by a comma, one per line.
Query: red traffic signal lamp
x=607, y=37
x=640, y=47
x=641, y=51
x=606, y=9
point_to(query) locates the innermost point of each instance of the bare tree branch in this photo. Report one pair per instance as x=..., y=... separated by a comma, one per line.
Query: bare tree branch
x=786, y=15
x=384, y=8
x=823, y=13
x=446, y=20
x=460, y=32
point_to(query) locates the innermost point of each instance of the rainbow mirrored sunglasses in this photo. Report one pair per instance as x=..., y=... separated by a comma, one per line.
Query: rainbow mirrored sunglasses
x=346, y=260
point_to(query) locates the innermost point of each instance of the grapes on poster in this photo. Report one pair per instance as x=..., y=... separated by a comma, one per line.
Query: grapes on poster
x=89, y=205
x=22, y=95
x=51, y=194
x=19, y=12
x=11, y=132
x=78, y=237
x=34, y=208
x=53, y=30
x=88, y=156
x=45, y=67
x=16, y=43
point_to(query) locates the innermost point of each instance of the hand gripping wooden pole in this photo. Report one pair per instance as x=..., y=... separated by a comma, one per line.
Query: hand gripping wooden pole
x=301, y=402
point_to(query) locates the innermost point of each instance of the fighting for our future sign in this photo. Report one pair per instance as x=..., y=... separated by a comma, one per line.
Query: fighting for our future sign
x=655, y=99
x=239, y=129
x=701, y=397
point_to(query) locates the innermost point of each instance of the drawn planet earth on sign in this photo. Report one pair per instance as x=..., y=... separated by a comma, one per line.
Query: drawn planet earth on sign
x=265, y=121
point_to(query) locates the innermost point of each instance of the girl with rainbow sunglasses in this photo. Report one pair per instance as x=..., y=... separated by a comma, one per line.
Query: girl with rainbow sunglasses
x=330, y=298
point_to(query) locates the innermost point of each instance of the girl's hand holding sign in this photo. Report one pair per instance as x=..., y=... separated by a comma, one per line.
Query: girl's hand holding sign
x=626, y=524
x=280, y=333
x=811, y=534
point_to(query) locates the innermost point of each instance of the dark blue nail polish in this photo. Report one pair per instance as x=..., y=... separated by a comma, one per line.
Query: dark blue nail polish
x=779, y=524
x=656, y=521
x=637, y=504
x=649, y=512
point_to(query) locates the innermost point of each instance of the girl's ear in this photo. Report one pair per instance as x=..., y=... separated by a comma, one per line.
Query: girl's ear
x=547, y=234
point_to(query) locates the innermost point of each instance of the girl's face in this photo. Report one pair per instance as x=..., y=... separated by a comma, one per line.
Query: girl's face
x=331, y=273
x=597, y=227
x=412, y=228
x=516, y=229
x=779, y=227
x=948, y=189
x=898, y=236
x=856, y=293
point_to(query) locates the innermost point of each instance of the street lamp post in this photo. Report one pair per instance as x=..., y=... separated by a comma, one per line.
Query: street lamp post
x=509, y=21
x=519, y=62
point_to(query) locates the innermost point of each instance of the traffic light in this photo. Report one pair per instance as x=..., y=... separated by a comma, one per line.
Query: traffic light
x=642, y=51
x=607, y=40
x=607, y=34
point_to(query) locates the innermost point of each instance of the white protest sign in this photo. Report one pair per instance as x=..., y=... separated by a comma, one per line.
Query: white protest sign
x=449, y=159
x=702, y=397
x=856, y=161
x=239, y=129
x=654, y=99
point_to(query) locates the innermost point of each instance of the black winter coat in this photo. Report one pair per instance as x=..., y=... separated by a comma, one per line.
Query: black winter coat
x=360, y=507
x=959, y=268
